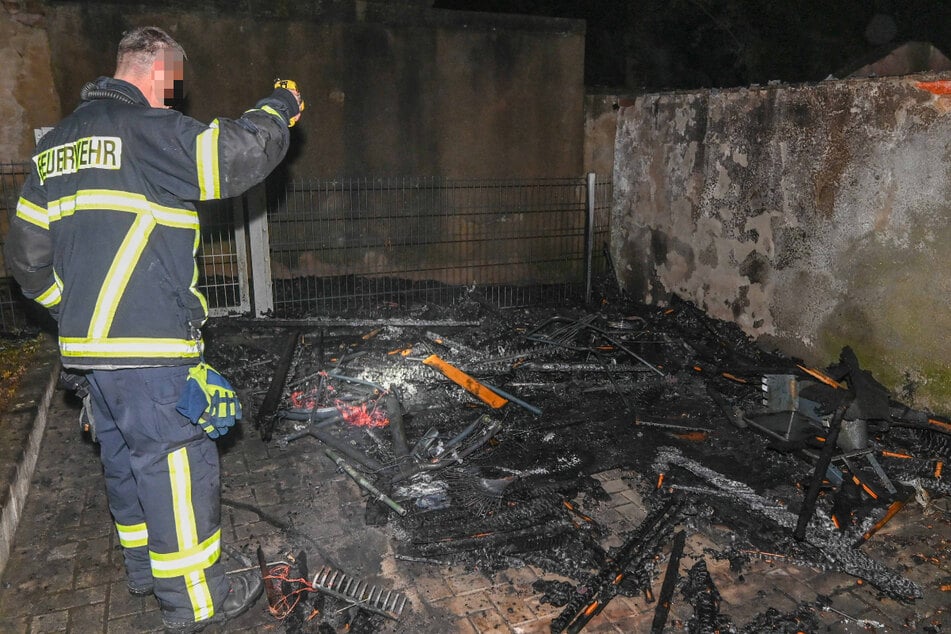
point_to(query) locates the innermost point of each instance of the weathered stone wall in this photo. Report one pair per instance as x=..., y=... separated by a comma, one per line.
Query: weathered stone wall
x=391, y=90
x=814, y=216
x=27, y=97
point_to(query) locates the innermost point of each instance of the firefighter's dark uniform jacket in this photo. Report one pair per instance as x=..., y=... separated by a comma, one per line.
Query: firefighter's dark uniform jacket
x=102, y=235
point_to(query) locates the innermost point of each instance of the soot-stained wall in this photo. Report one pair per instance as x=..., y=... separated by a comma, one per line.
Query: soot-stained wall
x=390, y=90
x=814, y=216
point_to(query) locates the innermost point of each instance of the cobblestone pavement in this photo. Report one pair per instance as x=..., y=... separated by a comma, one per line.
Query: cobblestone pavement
x=65, y=571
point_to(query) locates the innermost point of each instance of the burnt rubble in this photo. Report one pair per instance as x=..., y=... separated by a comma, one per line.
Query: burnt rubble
x=474, y=433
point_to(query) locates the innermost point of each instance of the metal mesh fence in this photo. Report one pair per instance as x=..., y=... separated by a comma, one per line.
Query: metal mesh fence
x=222, y=264
x=337, y=245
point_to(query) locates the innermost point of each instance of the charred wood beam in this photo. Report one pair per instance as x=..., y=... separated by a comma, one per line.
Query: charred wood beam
x=670, y=582
x=496, y=540
x=398, y=433
x=634, y=555
x=452, y=345
x=836, y=548
x=825, y=458
x=705, y=598
x=264, y=420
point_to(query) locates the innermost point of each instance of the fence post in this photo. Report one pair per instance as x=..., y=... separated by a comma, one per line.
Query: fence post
x=589, y=236
x=260, y=251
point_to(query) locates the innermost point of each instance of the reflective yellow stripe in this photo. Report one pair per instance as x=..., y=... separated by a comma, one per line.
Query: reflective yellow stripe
x=133, y=536
x=181, y=477
x=183, y=562
x=272, y=111
x=51, y=296
x=33, y=214
x=129, y=347
x=112, y=200
x=193, y=287
x=118, y=276
x=192, y=557
x=206, y=159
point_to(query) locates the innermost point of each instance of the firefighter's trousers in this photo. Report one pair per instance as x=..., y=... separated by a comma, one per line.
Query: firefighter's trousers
x=162, y=480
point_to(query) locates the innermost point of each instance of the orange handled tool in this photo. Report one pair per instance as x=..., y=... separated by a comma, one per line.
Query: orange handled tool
x=456, y=375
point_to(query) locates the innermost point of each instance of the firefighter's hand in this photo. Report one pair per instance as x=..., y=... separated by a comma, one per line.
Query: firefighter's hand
x=300, y=107
x=291, y=86
x=209, y=401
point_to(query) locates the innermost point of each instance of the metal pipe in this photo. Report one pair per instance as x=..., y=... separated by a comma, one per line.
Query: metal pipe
x=589, y=236
x=343, y=447
x=534, y=410
x=363, y=482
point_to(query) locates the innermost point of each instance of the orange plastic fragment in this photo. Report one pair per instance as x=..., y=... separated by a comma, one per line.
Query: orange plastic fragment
x=895, y=454
x=940, y=424
x=733, y=377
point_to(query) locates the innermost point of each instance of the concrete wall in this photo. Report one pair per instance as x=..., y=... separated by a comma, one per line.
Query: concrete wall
x=814, y=216
x=600, y=130
x=391, y=90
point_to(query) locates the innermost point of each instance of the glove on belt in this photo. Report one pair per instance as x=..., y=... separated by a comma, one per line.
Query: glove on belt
x=209, y=401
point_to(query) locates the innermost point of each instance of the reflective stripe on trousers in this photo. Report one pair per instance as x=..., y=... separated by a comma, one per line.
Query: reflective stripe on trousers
x=162, y=480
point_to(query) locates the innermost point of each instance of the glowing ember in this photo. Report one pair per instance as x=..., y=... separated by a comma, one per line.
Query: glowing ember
x=941, y=87
x=303, y=400
x=363, y=416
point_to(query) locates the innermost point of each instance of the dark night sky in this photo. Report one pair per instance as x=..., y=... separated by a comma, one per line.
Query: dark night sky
x=659, y=44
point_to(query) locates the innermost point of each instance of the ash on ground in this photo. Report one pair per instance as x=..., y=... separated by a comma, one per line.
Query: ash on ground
x=474, y=434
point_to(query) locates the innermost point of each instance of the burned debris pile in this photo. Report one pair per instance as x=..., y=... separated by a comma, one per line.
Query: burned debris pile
x=474, y=434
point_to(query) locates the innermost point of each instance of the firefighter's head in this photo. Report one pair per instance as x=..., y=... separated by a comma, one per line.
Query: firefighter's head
x=152, y=60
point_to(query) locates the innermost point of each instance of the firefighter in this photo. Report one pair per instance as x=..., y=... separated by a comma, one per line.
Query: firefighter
x=104, y=236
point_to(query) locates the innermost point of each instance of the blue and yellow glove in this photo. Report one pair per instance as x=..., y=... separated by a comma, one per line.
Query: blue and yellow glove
x=209, y=401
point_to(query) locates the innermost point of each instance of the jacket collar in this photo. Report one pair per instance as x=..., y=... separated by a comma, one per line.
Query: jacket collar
x=122, y=87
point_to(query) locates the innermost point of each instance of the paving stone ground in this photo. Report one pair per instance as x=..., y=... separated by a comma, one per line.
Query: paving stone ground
x=65, y=571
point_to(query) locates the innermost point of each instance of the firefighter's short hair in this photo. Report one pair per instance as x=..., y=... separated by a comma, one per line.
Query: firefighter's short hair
x=140, y=46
